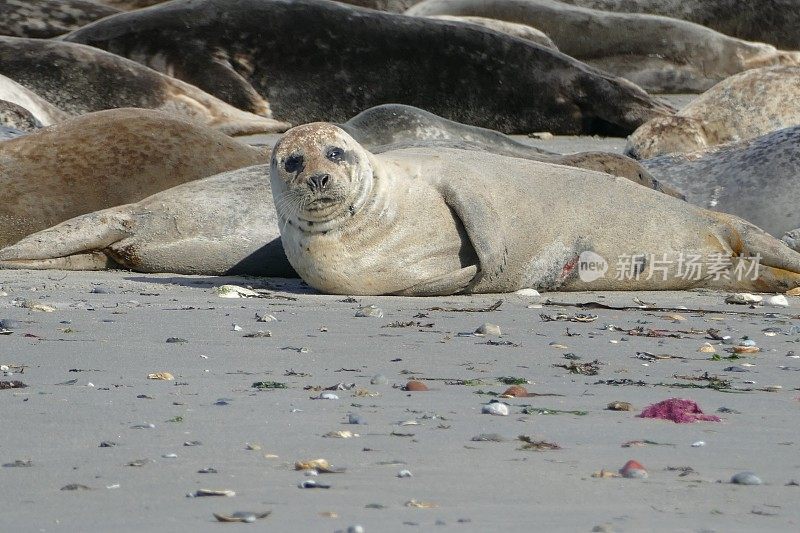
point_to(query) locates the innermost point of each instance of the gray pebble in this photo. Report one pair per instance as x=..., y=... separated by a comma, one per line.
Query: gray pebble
x=355, y=529
x=736, y=368
x=379, y=379
x=746, y=478
x=489, y=437
x=489, y=329
x=353, y=418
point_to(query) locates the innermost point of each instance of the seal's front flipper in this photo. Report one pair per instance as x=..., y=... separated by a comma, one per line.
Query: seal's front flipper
x=77, y=244
x=443, y=285
x=475, y=208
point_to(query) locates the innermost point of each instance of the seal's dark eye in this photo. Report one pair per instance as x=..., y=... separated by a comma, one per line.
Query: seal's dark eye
x=335, y=154
x=294, y=163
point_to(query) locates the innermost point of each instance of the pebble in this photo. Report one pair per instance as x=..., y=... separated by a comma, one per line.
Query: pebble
x=515, y=391
x=487, y=328
x=355, y=529
x=107, y=444
x=633, y=470
x=353, y=418
x=234, y=291
x=312, y=484
x=328, y=396
x=379, y=379
x=489, y=437
x=370, y=311
x=746, y=478
x=779, y=300
x=170, y=456
x=528, y=292
x=143, y=426
x=415, y=386
x=747, y=342
x=698, y=444
x=495, y=408
x=405, y=473
x=743, y=298
x=619, y=406
x=707, y=348
x=735, y=368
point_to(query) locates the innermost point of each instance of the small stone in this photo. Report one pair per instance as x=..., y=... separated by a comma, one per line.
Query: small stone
x=312, y=484
x=745, y=349
x=161, y=376
x=143, y=426
x=528, y=292
x=355, y=529
x=353, y=418
x=492, y=330
x=735, y=368
x=328, y=396
x=541, y=135
x=633, y=470
x=746, y=478
x=370, y=311
x=379, y=379
x=496, y=409
x=176, y=340
x=707, y=348
x=405, y=473
x=793, y=292
x=415, y=386
x=107, y=444
x=515, y=391
x=619, y=406
x=170, y=456
x=743, y=298
x=779, y=300
x=698, y=444
x=236, y=327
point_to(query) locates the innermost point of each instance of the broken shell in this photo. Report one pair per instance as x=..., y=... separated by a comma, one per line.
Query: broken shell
x=241, y=516
x=605, y=474
x=495, y=408
x=234, y=291
x=405, y=473
x=341, y=434
x=698, y=444
x=421, y=505
x=163, y=376
x=528, y=292
x=211, y=492
x=370, y=311
x=515, y=391
x=327, y=396
x=312, y=484
x=746, y=349
x=320, y=465
x=793, y=292
x=743, y=298
x=488, y=329
x=415, y=386
x=619, y=406
x=633, y=470
x=707, y=348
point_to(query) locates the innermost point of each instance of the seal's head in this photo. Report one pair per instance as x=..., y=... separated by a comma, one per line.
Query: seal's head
x=667, y=135
x=319, y=175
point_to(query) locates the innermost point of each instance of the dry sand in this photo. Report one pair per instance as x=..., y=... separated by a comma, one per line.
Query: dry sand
x=86, y=366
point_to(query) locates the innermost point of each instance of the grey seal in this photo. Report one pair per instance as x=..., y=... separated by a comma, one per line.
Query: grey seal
x=423, y=222
x=79, y=79
x=660, y=54
x=104, y=159
x=756, y=179
x=48, y=18
x=741, y=107
x=348, y=59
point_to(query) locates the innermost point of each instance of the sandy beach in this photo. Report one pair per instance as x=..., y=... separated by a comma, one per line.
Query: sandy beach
x=246, y=402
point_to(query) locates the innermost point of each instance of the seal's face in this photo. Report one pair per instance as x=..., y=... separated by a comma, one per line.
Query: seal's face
x=318, y=174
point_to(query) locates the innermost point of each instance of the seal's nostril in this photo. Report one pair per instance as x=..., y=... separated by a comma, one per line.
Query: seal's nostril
x=318, y=181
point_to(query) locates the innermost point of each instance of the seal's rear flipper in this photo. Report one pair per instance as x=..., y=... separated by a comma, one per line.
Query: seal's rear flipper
x=792, y=238
x=77, y=244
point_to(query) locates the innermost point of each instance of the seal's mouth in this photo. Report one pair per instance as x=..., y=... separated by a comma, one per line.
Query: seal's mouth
x=318, y=204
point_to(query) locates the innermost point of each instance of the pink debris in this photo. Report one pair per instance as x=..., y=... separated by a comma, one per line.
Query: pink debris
x=678, y=410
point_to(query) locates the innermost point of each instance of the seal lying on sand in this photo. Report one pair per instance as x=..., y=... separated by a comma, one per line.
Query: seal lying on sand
x=104, y=159
x=347, y=59
x=434, y=222
x=523, y=31
x=658, y=53
x=79, y=79
x=756, y=179
x=223, y=224
x=768, y=21
x=48, y=18
x=395, y=126
x=43, y=112
x=744, y=106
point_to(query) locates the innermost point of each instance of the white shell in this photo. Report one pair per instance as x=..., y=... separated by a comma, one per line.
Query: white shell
x=496, y=408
